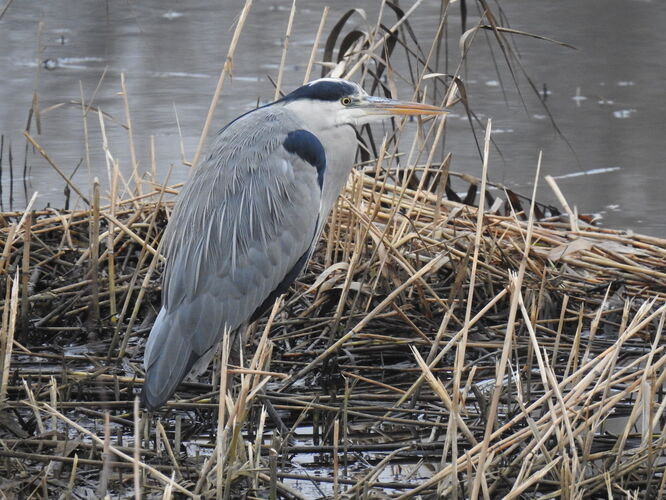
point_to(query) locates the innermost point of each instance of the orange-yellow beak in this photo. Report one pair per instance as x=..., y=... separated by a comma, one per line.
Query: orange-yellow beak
x=382, y=106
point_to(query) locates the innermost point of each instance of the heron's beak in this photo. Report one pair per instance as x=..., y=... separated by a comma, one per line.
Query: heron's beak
x=382, y=106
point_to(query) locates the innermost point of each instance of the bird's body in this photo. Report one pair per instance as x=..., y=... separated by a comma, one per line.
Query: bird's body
x=246, y=223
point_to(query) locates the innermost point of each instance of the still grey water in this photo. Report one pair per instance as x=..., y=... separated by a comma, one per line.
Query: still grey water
x=606, y=97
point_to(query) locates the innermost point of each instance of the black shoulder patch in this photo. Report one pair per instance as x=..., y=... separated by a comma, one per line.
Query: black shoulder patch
x=325, y=90
x=310, y=149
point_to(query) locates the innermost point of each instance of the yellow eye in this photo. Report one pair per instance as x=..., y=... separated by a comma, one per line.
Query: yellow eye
x=346, y=101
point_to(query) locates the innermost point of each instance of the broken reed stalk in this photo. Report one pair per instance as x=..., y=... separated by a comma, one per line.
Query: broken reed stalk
x=220, y=440
x=257, y=447
x=336, y=458
x=103, y=485
x=137, y=452
x=523, y=371
x=573, y=219
x=94, y=257
x=25, y=276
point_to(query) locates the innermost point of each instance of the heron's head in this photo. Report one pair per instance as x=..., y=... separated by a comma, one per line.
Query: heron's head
x=334, y=102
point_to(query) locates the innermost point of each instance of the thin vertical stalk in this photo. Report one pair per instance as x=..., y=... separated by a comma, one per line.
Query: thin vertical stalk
x=94, y=257
x=137, y=451
x=7, y=333
x=25, y=276
x=285, y=49
x=130, y=136
x=315, y=46
x=226, y=69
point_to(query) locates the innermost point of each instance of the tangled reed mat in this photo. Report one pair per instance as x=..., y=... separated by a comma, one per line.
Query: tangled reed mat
x=428, y=347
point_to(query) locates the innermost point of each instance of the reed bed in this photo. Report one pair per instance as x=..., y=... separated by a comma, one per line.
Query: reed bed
x=439, y=344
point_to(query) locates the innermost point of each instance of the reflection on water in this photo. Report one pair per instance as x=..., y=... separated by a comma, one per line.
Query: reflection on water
x=606, y=97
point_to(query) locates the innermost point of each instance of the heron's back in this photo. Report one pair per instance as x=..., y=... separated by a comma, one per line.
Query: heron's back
x=242, y=228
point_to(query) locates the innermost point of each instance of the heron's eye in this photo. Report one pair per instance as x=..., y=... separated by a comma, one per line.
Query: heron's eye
x=346, y=101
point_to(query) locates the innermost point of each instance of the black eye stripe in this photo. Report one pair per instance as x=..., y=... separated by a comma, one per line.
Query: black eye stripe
x=322, y=91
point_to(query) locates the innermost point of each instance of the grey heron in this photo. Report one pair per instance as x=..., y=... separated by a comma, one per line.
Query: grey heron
x=247, y=220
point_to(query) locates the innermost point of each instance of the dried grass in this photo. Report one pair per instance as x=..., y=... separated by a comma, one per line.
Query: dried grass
x=430, y=348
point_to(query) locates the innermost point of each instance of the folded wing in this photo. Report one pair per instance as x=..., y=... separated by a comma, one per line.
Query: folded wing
x=241, y=231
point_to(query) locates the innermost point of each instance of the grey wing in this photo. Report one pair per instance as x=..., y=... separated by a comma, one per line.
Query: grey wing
x=243, y=227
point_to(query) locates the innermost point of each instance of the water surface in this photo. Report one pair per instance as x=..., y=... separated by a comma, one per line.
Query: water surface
x=606, y=97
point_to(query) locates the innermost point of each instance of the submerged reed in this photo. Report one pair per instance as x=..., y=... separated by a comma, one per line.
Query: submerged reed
x=431, y=347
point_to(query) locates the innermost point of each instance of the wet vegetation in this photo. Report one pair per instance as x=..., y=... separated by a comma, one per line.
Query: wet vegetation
x=432, y=347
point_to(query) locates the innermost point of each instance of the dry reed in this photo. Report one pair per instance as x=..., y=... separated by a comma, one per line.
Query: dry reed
x=431, y=347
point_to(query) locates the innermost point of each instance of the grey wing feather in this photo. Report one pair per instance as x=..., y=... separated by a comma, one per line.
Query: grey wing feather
x=242, y=222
